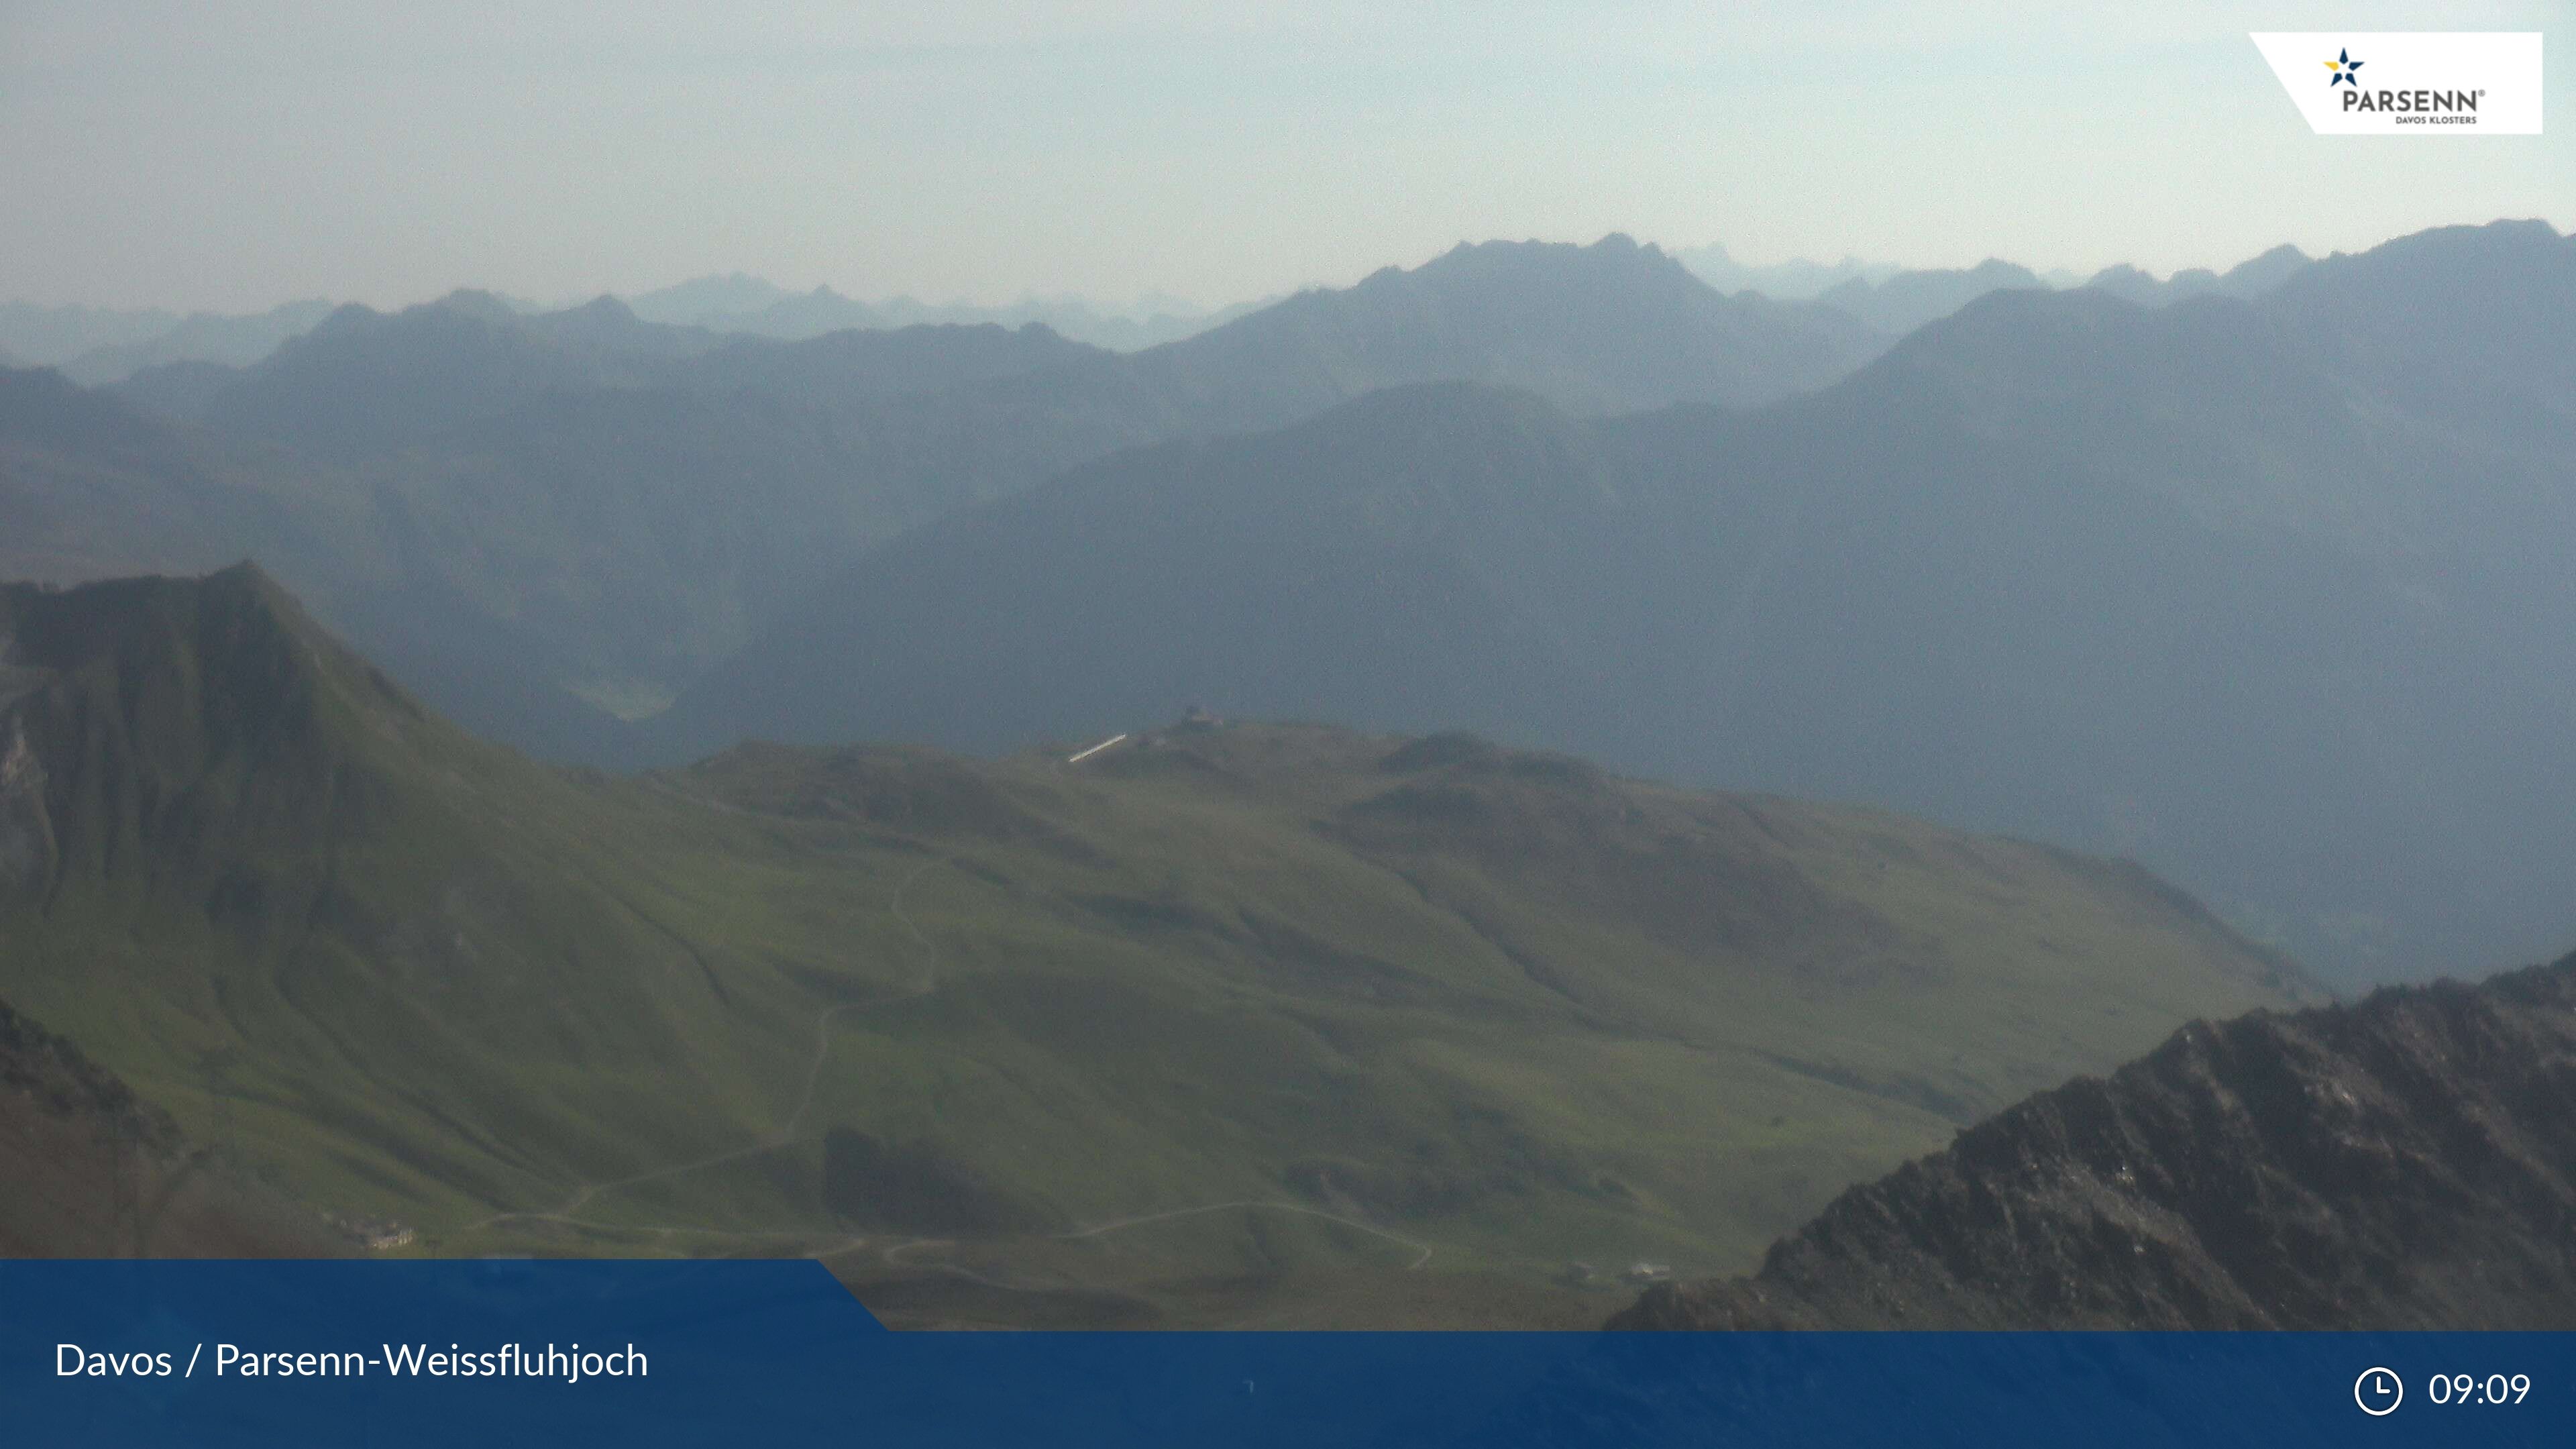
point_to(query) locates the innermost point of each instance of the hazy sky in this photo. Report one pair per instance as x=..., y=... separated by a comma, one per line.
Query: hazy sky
x=234, y=155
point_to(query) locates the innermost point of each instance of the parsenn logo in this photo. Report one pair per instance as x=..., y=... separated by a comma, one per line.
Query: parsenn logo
x=2450, y=107
x=2462, y=84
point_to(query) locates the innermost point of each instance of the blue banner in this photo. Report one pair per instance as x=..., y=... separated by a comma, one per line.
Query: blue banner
x=486, y=1354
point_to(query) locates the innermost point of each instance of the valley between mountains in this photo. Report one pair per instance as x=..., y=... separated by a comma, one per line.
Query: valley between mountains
x=1231, y=1023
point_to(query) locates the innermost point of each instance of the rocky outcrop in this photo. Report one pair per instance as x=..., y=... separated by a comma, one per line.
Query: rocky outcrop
x=51, y=1076
x=90, y=1169
x=2406, y=1162
x=26, y=835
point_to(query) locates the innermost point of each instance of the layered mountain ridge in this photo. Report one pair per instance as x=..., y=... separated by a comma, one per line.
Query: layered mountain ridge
x=2404, y=1163
x=594, y=507
x=1283, y=1007
x=2200, y=583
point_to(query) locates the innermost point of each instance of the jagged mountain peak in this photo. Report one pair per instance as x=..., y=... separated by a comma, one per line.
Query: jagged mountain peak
x=1602, y=328
x=175, y=722
x=2407, y=1162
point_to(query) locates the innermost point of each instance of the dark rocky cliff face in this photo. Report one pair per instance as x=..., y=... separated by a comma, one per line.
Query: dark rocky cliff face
x=2406, y=1162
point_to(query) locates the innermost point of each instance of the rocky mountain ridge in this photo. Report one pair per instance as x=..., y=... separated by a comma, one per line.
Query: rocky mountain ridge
x=2408, y=1162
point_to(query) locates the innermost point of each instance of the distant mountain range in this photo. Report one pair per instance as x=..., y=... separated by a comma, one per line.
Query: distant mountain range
x=2204, y=582
x=1609, y=328
x=1899, y=302
x=1280, y=1011
x=102, y=345
x=753, y=307
x=2406, y=1163
x=909, y=936
x=2209, y=584
x=507, y=506
x=1908, y=300
x=2247, y=279
x=1791, y=281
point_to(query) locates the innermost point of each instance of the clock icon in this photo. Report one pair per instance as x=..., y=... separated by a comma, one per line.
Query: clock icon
x=2378, y=1392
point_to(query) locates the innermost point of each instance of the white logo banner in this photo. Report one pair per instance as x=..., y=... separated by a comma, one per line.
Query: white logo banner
x=2437, y=84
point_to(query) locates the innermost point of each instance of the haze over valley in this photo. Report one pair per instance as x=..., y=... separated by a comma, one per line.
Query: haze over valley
x=2153, y=569
x=1436, y=802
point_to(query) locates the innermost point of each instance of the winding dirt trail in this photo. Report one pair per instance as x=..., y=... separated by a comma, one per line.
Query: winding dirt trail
x=792, y=1131
x=789, y=1132
x=1371, y=1229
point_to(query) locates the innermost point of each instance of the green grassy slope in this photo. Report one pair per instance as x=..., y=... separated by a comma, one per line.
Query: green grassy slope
x=1226, y=1023
x=92, y=1172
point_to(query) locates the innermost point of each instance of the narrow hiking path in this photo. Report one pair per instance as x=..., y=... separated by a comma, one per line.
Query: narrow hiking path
x=1121, y=1224
x=788, y=1132
x=894, y=1255
x=791, y=1130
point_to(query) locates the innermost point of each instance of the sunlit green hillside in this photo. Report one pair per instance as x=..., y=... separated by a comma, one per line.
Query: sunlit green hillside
x=1225, y=1022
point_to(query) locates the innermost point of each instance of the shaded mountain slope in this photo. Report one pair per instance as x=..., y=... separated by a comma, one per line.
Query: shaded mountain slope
x=104, y=344
x=2465, y=327
x=606, y=506
x=201, y=338
x=1608, y=328
x=1423, y=554
x=2203, y=583
x=1224, y=1003
x=907, y=362
x=1894, y=306
x=231, y=839
x=90, y=484
x=2409, y=1162
x=365, y=382
x=94, y=487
